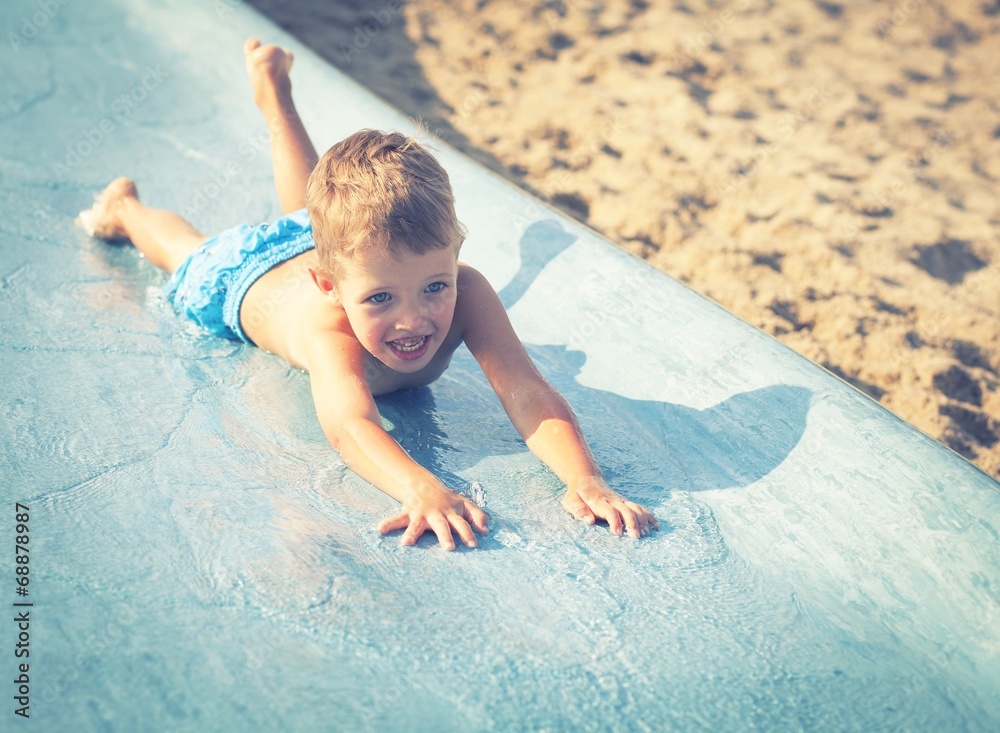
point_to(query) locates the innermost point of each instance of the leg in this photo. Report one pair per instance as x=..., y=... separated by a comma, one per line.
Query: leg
x=292, y=151
x=163, y=236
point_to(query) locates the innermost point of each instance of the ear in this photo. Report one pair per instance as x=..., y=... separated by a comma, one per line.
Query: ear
x=324, y=283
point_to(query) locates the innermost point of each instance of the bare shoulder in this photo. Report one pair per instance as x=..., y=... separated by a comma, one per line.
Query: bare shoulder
x=483, y=320
x=477, y=300
x=336, y=363
x=471, y=281
x=322, y=333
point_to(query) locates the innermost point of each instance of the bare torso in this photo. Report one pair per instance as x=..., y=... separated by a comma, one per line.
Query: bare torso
x=284, y=308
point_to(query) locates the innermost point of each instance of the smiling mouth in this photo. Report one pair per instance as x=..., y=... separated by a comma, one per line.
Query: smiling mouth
x=410, y=348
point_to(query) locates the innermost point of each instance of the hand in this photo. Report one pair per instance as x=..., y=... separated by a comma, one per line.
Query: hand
x=591, y=499
x=440, y=510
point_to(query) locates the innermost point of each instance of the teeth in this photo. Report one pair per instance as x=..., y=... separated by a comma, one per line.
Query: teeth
x=410, y=344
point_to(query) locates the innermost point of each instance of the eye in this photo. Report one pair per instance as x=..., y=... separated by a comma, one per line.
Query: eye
x=436, y=287
x=379, y=298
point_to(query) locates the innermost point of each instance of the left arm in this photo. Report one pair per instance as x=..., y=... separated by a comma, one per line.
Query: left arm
x=541, y=415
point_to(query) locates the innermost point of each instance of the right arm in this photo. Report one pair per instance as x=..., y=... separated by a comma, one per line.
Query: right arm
x=350, y=419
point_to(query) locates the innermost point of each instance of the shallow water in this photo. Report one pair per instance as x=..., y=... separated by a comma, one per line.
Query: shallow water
x=201, y=560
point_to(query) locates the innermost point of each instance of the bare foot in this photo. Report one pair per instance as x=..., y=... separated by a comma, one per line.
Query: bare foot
x=103, y=219
x=268, y=67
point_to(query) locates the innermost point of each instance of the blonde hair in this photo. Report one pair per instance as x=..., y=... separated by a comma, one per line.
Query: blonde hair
x=374, y=191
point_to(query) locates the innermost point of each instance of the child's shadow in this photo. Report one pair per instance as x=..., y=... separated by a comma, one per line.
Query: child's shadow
x=650, y=444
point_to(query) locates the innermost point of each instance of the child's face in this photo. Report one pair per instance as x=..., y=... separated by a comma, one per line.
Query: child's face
x=400, y=306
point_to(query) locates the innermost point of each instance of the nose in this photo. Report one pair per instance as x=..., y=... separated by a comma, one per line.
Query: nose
x=412, y=318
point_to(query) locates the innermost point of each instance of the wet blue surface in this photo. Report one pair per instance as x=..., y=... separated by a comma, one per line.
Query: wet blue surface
x=201, y=559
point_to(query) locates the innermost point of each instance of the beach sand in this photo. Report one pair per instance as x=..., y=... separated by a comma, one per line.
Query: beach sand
x=826, y=171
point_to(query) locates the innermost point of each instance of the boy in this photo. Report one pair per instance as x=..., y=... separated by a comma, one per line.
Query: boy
x=390, y=305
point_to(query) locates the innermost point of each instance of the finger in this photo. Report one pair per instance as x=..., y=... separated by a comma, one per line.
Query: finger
x=464, y=530
x=442, y=529
x=477, y=518
x=641, y=517
x=644, y=519
x=630, y=520
x=250, y=45
x=578, y=508
x=413, y=532
x=610, y=515
x=648, y=518
x=647, y=522
x=393, y=523
x=652, y=520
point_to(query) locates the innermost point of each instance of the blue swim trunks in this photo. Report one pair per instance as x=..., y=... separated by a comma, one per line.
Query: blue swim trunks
x=210, y=284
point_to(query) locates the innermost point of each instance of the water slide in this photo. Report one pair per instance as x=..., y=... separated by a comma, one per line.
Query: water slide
x=197, y=558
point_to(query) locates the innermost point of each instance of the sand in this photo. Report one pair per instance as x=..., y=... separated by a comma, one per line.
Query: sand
x=826, y=171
